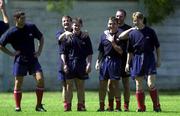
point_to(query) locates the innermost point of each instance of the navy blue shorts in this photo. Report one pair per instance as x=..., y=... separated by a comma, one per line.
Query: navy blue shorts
x=61, y=75
x=143, y=65
x=20, y=69
x=110, y=69
x=77, y=69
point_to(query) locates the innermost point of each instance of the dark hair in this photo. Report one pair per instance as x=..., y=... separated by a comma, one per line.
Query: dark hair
x=122, y=10
x=67, y=16
x=114, y=19
x=78, y=20
x=18, y=14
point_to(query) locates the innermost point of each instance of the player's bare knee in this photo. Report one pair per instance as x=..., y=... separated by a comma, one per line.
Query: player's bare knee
x=40, y=83
x=151, y=85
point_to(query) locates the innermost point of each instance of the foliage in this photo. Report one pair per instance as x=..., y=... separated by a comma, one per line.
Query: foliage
x=158, y=10
x=60, y=6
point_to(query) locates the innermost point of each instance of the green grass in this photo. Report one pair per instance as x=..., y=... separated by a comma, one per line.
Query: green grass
x=170, y=102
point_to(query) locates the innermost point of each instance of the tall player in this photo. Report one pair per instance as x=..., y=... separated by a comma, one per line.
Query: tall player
x=143, y=42
x=60, y=36
x=121, y=15
x=76, y=54
x=109, y=63
x=21, y=37
x=63, y=35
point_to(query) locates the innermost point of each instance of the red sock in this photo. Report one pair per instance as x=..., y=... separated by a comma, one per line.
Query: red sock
x=111, y=104
x=39, y=95
x=67, y=106
x=154, y=96
x=140, y=96
x=102, y=105
x=126, y=105
x=80, y=105
x=118, y=103
x=17, y=97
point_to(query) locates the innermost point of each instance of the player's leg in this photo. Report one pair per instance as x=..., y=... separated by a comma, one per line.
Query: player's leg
x=111, y=95
x=63, y=83
x=18, y=92
x=69, y=94
x=153, y=93
x=64, y=95
x=19, y=71
x=39, y=90
x=62, y=78
x=117, y=94
x=140, y=96
x=126, y=93
x=102, y=94
x=80, y=94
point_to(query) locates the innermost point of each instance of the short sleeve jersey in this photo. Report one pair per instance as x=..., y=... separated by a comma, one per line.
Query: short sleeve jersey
x=106, y=47
x=22, y=39
x=78, y=47
x=144, y=40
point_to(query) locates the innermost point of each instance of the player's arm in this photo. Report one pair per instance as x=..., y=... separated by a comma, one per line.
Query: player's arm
x=40, y=47
x=65, y=67
x=8, y=52
x=89, y=52
x=158, y=57
x=88, y=66
x=63, y=58
x=64, y=35
x=129, y=58
x=116, y=47
x=98, y=61
x=124, y=35
x=157, y=48
x=3, y=11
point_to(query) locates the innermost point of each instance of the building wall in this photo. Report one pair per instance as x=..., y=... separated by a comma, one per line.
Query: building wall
x=95, y=16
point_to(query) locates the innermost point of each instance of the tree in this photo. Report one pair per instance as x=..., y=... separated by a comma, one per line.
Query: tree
x=60, y=6
x=158, y=10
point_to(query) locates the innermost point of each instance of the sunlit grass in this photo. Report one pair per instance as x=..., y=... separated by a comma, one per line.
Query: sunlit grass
x=170, y=102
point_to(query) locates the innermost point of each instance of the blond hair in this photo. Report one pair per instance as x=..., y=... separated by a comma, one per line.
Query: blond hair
x=137, y=15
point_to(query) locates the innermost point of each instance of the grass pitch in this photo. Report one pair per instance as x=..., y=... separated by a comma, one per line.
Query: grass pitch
x=170, y=104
